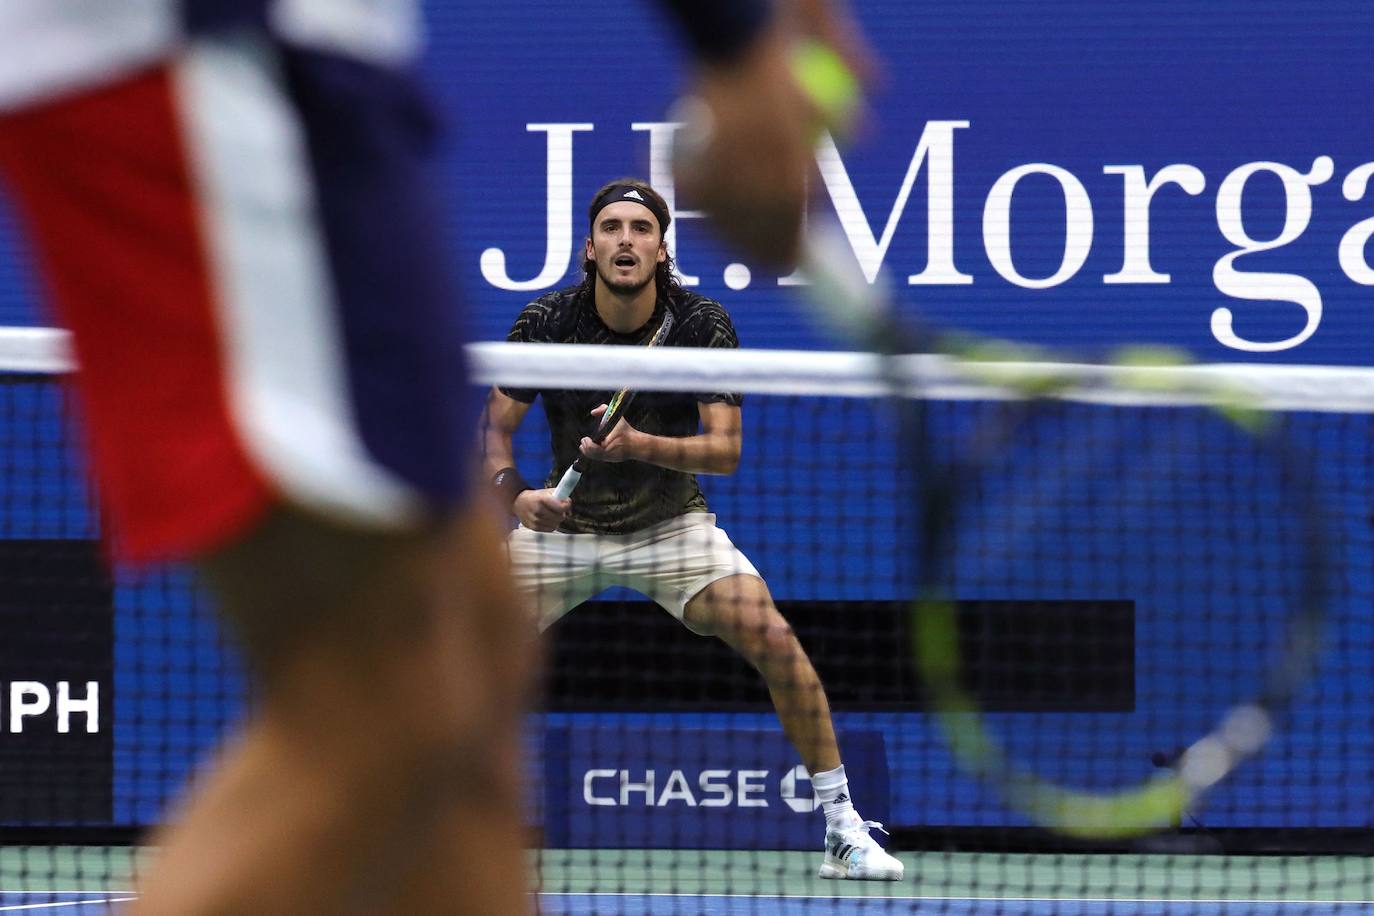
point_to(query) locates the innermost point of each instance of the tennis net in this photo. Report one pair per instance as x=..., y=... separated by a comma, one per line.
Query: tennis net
x=1113, y=595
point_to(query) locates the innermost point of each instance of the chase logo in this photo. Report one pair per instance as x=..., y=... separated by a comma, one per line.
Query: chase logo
x=650, y=787
x=802, y=804
x=717, y=788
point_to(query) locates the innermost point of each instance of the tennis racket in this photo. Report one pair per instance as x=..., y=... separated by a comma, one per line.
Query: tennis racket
x=1130, y=477
x=615, y=409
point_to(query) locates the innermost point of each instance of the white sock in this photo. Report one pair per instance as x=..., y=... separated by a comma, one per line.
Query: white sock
x=832, y=788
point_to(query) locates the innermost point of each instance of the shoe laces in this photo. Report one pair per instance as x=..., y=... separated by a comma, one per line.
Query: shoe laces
x=865, y=827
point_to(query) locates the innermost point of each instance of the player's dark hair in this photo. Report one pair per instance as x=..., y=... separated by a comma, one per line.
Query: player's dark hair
x=665, y=274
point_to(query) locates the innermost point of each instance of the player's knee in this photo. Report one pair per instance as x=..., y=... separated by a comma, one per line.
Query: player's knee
x=466, y=759
x=401, y=715
x=425, y=772
x=780, y=642
x=449, y=746
x=767, y=641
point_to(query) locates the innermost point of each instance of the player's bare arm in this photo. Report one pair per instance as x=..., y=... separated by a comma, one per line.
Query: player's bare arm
x=715, y=450
x=536, y=508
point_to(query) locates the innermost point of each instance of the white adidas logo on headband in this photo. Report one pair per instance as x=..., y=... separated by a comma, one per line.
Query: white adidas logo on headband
x=632, y=193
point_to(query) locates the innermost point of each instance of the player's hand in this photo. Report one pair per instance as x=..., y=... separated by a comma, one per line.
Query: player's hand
x=831, y=23
x=750, y=174
x=540, y=510
x=620, y=443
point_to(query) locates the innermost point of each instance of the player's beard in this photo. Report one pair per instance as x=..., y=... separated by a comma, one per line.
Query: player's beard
x=624, y=288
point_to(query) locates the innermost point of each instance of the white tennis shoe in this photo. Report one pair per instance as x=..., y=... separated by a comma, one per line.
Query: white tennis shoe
x=851, y=853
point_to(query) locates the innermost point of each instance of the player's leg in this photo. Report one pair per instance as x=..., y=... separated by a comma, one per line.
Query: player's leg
x=722, y=594
x=553, y=572
x=739, y=610
x=378, y=771
x=690, y=568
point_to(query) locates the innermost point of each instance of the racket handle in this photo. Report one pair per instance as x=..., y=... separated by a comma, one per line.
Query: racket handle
x=568, y=483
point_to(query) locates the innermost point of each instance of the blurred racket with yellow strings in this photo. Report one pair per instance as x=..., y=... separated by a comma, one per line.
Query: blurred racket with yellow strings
x=1132, y=476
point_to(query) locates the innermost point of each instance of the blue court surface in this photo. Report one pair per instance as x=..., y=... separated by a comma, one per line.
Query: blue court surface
x=653, y=905
x=66, y=903
x=88, y=904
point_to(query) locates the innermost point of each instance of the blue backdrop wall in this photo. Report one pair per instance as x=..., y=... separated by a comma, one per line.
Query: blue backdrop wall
x=1220, y=108
x=1073, y=173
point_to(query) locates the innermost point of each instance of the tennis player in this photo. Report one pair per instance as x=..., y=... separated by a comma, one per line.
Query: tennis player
x=638, y=517
x=268, y=389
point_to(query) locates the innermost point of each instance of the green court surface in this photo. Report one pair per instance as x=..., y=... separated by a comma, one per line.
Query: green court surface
x=33, y=869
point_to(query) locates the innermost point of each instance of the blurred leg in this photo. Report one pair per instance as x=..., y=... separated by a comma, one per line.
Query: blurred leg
x=388, y=668
x=379, y=771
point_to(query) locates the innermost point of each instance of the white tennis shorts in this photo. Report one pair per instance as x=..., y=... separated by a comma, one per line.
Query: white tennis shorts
x=670, y=563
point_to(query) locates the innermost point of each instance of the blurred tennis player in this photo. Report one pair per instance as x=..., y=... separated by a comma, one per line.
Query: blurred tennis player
x=268, y=389
x=638, y=517
x=267, y=385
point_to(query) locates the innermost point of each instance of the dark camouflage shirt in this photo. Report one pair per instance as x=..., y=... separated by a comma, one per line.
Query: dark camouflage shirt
x=621, y=497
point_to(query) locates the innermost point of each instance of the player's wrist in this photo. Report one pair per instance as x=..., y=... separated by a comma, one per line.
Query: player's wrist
x=720, y=31
x=507, y=484
x=639, y=446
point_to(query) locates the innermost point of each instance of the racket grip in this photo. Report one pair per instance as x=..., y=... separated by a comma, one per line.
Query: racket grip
x=568, y=483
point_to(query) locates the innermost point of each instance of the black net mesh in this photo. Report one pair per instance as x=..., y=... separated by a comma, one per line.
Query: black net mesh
x=1095, y=636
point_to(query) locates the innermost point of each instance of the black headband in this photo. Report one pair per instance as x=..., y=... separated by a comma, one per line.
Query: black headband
x=616, y=193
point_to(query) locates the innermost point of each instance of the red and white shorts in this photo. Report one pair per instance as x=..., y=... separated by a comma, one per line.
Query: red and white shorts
x=244, y=243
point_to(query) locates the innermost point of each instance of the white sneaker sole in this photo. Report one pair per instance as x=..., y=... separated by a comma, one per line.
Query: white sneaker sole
x=832, y=871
